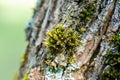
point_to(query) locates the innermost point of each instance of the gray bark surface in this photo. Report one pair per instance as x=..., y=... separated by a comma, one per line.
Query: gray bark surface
x=96, y=39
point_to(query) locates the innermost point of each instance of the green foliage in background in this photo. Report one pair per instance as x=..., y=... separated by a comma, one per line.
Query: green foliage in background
x=14, y=16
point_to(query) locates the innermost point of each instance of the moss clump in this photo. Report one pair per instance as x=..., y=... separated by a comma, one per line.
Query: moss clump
x=61, y=40
x=113, y=71
x=113, y=60
x=22, y=58
x=70, y=59
x=26, y=76
x=116, y=38
x=87, y=11
x=111, y=74
x=86, y=15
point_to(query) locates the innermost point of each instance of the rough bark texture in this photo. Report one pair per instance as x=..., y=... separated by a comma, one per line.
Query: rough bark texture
x=99, y=28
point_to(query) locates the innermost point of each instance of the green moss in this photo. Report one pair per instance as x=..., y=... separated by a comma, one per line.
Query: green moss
x=26, y=76
x=79, y=24
x=87, y=11
x=84, y=10
x=70, y=59
x=113, y=71
x=119, y=14
x=61, y=39
x=113, y=60
x=86, y=15
x=116, y=39
x=82, y=30
x=111, y=74
x=22, y=58
x=82, y=15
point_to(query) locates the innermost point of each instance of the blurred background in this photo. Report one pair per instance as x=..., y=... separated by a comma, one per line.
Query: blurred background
x=14, y=16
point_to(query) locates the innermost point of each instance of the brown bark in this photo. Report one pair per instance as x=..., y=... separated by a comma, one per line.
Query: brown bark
x=89, y=58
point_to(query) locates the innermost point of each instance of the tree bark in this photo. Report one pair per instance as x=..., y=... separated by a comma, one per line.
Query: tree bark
x=98, y=24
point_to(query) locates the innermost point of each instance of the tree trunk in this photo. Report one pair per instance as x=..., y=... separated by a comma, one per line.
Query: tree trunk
x=98, y=24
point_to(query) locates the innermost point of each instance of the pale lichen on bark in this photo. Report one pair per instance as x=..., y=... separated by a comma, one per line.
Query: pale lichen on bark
x=96, y=30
